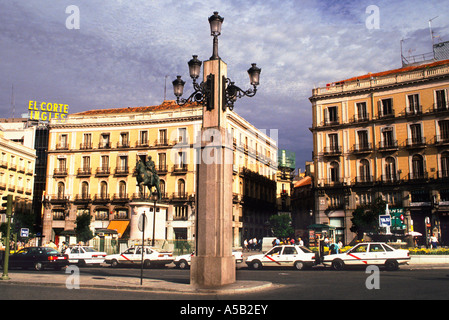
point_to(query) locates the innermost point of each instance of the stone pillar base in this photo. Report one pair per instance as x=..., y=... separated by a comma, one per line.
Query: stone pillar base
x=212, y=271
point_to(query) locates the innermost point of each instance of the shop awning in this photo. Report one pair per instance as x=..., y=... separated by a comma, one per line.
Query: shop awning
x=321, y=227
x=119, y=226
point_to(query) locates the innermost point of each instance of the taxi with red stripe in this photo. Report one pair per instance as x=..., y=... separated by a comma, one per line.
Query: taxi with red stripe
x=369, y=253
x=133, y=256
x=298, y=257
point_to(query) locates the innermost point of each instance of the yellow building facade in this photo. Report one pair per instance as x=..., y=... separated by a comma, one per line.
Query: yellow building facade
x=384, y=135
x=93, y=154
x=17, y=174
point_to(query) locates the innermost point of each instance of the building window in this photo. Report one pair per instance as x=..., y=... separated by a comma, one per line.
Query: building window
x=162, y=187
x=180, y=213
x=415, y=134
x=63, y=144
x=182, y=135
x=87, y=141
x=84, y=190
x=417, y=167
x=103, y=190
x=362, y=137
x=61, y=190
x=122, y=189
x=420, y=196
x=163, y=137
x=444, y=165
x=386, y=107
x=441, y=99
x=143, y=138
x=334, y=174
x=390, y=170
x=333, y=142
x=362, y=113
x=331, y=115
x=444, y=131
x=387, y=138
x=364, y=171
x=105, y=141
x=181, y=188
x=413, y=104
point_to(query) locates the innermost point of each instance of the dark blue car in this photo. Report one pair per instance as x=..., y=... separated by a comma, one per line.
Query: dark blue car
x=38, y=258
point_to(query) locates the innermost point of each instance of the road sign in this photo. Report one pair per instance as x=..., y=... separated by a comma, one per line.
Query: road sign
x=384, y=221
x=24, y=232
x=141, y=223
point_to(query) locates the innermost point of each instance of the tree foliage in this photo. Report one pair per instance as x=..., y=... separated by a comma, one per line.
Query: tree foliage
x=366, y=218
x=82, y=229
x=281, y=225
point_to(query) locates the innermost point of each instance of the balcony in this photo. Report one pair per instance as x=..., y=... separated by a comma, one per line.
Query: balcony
x=101, y=197
x=3, y=164
x=390, y=178
x=123, y=144
x=388, y=145
x=330, y=121
x=161, y=143
x=60, y=172
x=441, y=140
x=82, y=198
x=103, y=172
x=120, y=197
x=121, y=171
x=364, y=179
x=180, y=196
x=62, y=146
x=104, y=145
x=84, y=172
x=86, y=146
x=180, y=168
x=415, y=143
x=413, y=111
x=418, y=176
x=162, y=169
x=360, y=118
x=332, y=151
x=142, y=143
x=362, y=148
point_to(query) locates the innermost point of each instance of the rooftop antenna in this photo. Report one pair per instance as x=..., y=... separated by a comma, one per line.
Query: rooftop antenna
x=165, y=88
x=430, y=28
x=13, y=103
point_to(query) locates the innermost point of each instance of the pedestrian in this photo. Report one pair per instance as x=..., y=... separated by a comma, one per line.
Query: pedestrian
x=300, y=242
x=254, y=243
x=245, y=245
x=433, y=241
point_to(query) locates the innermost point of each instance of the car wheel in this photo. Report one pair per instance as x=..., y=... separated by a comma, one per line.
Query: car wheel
x=299, y=265
x=391, y=265
x=38, y=266
x=257, y=265
x=183, y=264
x=81, y=263
x=338, y=264
x=114, y=263
x=147, y=264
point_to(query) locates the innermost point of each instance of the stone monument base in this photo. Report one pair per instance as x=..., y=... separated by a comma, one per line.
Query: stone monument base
x=147, y=207
x=220, y=271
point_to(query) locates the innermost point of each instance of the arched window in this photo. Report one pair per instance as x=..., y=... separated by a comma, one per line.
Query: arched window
x=162, y=187
x=334, y=172
x=61, y=190
x=390, y=169
x=181, y=188
x=364, y=171
x=417, y=167
x=122, y=189
x=103, y=189
x=84, y=190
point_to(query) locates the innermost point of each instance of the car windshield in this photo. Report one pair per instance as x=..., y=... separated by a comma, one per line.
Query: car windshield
x=89, y=249
x=49, y=251
x=275, y=250
x=306, y=250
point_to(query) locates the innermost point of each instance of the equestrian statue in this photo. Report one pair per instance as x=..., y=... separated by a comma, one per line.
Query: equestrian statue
x=147, y=176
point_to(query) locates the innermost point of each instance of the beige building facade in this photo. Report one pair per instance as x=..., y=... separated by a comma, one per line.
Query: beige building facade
x=92, y=157
x=384, y=135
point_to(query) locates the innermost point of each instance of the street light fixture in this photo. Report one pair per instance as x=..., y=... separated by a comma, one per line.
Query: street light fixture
x=204, y=91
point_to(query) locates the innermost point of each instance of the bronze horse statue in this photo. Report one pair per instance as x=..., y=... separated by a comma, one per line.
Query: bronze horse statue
x=147, y=176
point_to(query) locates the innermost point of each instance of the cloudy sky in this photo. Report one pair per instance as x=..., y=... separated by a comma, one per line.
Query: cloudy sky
x=125, y=50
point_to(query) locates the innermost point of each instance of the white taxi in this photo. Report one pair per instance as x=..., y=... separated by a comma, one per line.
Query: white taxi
x=84, y=255
x=298, y=257
x=133, y=256
x=183, y=261
x=371, y=253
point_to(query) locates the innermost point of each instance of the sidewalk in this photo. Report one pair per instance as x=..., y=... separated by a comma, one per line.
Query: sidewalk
x=129, y=283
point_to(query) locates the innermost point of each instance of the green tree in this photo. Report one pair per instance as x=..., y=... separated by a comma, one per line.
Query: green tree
x=82, y=229
x=281, y=225
x=365, y=219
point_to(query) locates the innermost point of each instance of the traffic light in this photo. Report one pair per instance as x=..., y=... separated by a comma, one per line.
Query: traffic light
x=7, y=204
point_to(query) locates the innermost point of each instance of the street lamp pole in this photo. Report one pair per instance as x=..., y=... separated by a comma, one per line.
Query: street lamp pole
x=213, y=264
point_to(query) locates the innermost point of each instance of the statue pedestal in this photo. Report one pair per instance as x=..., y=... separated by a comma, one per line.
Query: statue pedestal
x=147, y=207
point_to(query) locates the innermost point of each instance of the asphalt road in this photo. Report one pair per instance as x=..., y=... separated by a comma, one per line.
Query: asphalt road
x=288, y=284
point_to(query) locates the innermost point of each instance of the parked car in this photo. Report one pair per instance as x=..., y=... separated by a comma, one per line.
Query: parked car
x=183, y=261
x=295, y=256
x=83, y=255
x=372, y=253
x=38, y=258
x=133, y=256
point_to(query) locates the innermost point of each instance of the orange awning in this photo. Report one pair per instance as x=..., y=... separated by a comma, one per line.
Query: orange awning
x=119, y=226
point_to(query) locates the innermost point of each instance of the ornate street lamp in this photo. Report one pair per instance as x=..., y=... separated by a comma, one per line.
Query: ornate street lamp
x=204, y=91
